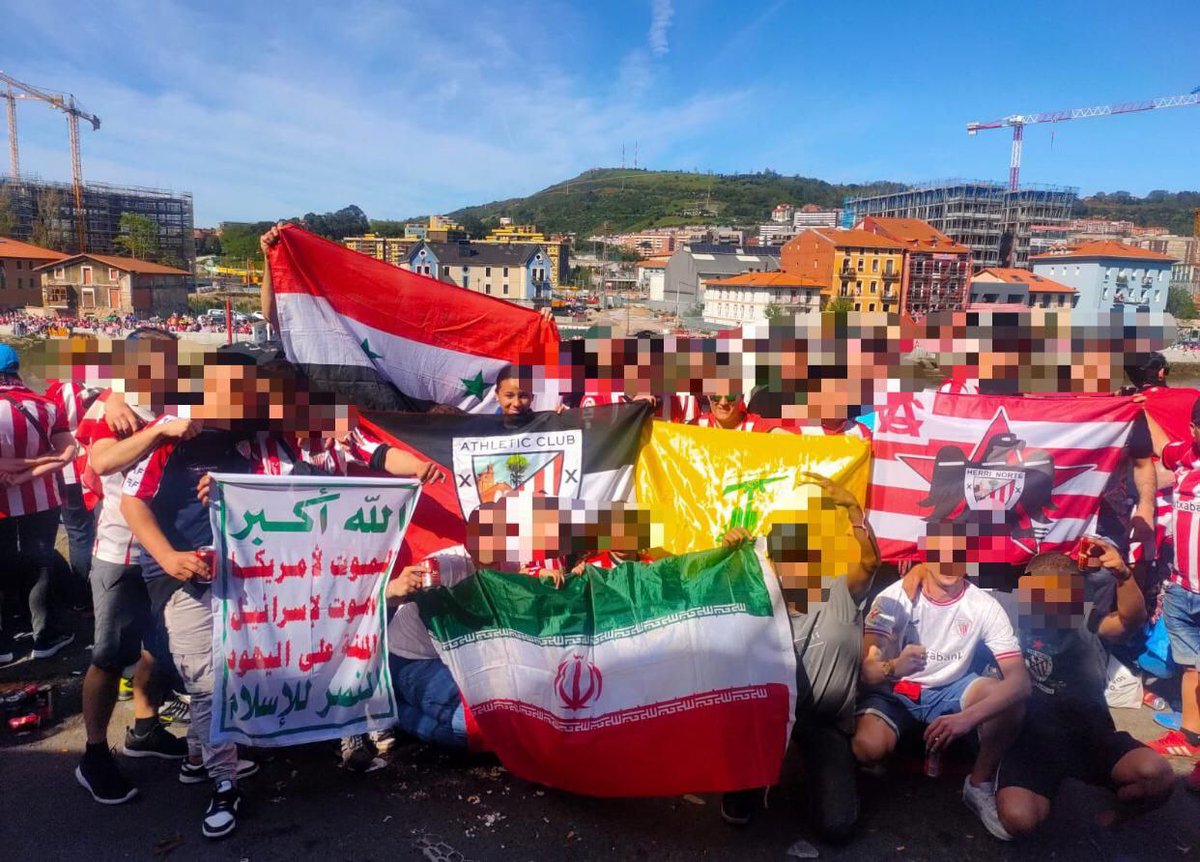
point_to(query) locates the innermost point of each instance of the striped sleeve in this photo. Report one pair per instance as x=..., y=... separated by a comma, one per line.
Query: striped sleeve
x=885, y=616
x=1173, y=453
x=998, y=634
x=145, y=478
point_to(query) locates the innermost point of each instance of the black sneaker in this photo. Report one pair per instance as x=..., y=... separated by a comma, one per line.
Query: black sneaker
x=175, y=711
x=738, y=808
x=220, y=818
x=156, y=743
x=195, y=773
x=51, y=646
x=100, y=777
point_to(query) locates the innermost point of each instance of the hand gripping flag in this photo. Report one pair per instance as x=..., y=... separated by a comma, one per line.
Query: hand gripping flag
x=698, y=483
x=651, y=679
x=1171, y=410
x=391, y=339
x=585, y=454
x=1025, y=474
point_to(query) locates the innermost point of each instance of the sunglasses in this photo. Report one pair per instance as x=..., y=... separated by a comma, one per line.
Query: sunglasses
x=728, y=399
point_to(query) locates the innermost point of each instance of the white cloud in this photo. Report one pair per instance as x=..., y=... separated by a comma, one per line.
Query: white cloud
x=661, y=12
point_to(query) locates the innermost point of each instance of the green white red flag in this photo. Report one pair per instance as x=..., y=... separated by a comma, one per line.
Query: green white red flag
x=650, y=679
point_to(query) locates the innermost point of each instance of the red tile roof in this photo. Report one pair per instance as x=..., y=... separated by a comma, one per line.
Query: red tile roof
x=125, y=264
x=1010, y=275
x=916, y=235
x=854, y=238
x=764, y=279
x=1103, y=248
x=14, y=248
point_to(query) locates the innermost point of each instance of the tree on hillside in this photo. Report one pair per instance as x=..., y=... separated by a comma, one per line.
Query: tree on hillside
x=348, y=221
x=48, y=229
x=387, y=227
x=138, y=236
x=239, y=240
x=1180, y=303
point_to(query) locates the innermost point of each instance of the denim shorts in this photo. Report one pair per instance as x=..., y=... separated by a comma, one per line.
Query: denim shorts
x=1181, y=612
x=904, y=714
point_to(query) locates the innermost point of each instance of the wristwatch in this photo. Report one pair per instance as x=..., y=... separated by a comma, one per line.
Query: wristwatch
x=889, y=669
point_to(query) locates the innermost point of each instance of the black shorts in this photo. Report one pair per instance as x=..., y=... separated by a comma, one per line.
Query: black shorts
x=1048, y=752
x=123, y=621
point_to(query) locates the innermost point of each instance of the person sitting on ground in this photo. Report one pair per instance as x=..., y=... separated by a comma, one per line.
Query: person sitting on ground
x=917, y=655
x=1068, y=730
x=826, y=615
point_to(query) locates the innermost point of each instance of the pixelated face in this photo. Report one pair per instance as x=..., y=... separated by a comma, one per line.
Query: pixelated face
x=514, y=397
x=515, y=531
x=231, y=393
x=725, y=401
x=149, y=367
x=946, y=554
x=1050, y=601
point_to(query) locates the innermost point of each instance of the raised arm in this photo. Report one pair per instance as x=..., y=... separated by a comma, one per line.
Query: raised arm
x=858, y=578
x=1130, y=613
x=111, y=455
x=266, y=292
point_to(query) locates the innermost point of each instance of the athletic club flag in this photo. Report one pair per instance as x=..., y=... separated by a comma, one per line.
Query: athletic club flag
x=392, y=339
x=1028, y=472
x=649, y=679
x=580, y=454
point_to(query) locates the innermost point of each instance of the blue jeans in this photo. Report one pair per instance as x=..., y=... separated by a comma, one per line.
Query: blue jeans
x=80, y=525
x=428, y=703
x=32, y=537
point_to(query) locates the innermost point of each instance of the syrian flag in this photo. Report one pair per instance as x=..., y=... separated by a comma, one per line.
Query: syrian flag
x=1027, y=472
x=649, y=679
x=391, y=339
x=581, y=454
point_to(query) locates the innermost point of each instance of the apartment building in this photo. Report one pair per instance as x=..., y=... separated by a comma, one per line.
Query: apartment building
x=855, y=265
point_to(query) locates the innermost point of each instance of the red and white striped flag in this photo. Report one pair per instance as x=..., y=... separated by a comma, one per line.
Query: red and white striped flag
x=1028, y=472
x=392, y=339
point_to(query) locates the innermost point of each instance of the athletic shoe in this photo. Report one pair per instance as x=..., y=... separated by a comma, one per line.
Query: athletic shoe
x=175, y=711
x=1169, y=720
x=195, y=773
x=739, y=807
x=1192, y=780
x=1174, y=744
x=220, y=818
x=981, y=798
x=7, y=656
x=100, y=777
x=358, y=755
x=157, y=743
x=51, y=646
x=125, y=689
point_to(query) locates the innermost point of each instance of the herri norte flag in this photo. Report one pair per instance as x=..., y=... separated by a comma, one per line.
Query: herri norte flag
x=580, y=454
x=1023, y=475
x=650, y=679
x=392, y=339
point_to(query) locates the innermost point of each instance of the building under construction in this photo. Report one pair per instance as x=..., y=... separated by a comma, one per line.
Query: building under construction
x=1001, y=228
x=43, y=212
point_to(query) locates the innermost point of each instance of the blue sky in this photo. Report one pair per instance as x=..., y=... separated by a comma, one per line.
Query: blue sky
x=269, y=109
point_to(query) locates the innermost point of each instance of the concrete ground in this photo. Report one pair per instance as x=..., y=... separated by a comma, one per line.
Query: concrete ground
x=433, y=806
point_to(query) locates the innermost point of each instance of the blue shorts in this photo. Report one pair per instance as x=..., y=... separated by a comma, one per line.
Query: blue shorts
x=903, y=714
x=1181, y=612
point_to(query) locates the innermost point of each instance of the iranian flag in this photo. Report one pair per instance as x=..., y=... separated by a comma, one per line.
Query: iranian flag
x=391, y=339
x=1025, y=473
x=584, y=454
x=645, y=680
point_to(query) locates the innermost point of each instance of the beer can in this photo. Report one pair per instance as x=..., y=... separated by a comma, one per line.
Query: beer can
x=933, y=763
x=45, y=702
x=432, y=576
x=208, y=554
x=23, y=724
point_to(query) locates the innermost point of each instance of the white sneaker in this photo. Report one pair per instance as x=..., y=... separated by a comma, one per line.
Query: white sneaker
x=981, y=798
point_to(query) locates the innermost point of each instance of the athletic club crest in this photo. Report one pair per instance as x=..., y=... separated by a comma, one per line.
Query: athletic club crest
x=578, y=682
x=962, y=626
x=1002, y=482
x=543, y=462
x=1040, y=664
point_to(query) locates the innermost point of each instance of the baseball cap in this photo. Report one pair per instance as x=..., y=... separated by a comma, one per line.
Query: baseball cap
x=10, y=362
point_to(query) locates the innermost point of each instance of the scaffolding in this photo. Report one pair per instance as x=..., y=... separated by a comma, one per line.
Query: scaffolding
x=979, y=214
x=50, y=206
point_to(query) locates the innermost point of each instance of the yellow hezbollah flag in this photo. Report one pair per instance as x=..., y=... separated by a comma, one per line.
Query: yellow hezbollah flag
x=698, y=483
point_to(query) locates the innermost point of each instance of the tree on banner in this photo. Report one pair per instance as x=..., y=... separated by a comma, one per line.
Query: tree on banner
x=299, y=626
x=579, y=454
x=623, y=682
x=1028, y=473
x=391, y=339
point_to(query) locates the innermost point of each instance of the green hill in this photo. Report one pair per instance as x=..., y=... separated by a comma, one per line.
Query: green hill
x=618, y=200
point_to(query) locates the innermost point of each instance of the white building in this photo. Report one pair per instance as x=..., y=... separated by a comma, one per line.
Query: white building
x=745, y=298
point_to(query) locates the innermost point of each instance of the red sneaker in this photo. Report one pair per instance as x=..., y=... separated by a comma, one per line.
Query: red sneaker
x=1174, y=744
x=1192, y=781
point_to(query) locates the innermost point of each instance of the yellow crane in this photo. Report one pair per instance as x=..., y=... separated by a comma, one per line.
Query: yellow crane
x=66, y=103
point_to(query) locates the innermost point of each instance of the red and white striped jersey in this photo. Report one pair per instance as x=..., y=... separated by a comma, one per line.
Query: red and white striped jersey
x=278, y=455
x=1182, y=458
x=73, y=400
x=19, y=438
x=849, y=428
x=750, y=422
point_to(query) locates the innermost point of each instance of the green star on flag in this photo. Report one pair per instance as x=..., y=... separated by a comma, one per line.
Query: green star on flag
x=367, y=350
x=476, y=385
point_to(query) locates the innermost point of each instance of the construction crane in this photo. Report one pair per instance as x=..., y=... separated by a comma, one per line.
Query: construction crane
x=65, y=103
x=1018, y=122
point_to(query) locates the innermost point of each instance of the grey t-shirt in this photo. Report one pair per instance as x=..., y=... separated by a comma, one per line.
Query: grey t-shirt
x=828, y=643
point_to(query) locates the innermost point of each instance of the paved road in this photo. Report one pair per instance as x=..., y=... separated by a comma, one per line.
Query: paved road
x=427, y=805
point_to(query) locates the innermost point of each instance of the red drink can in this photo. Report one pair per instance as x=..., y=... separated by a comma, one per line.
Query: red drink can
x=208, y=554
x=45, y=702
x=432, y=576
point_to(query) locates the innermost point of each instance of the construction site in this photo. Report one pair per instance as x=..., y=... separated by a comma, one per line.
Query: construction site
x=1000, y=226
